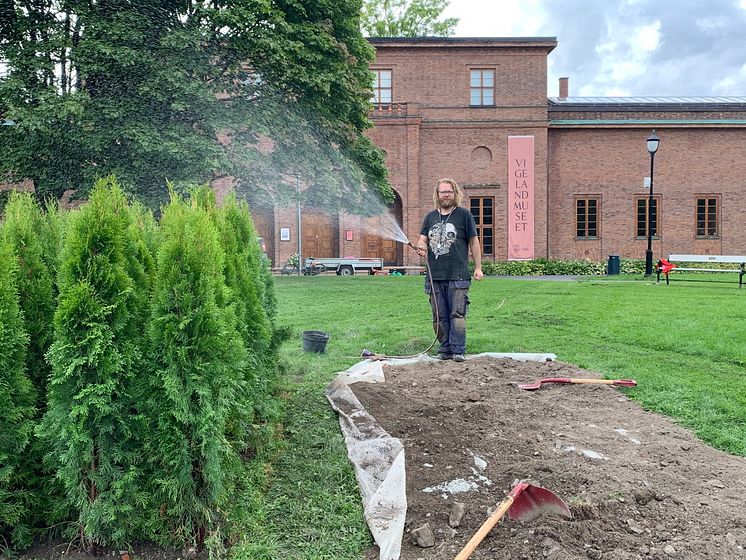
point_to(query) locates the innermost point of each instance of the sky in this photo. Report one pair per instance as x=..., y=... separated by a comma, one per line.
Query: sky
x=624, y=47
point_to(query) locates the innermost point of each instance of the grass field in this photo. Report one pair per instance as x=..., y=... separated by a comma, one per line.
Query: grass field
x=685, y=344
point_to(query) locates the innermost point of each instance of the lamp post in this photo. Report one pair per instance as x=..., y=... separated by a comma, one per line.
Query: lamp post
x=652, y=144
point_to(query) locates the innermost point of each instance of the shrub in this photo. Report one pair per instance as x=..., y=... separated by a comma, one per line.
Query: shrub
x=541, y=267
x=198, y=358
x=17, y=405
x=52, y=239
x=23, y=232
x=91, y=425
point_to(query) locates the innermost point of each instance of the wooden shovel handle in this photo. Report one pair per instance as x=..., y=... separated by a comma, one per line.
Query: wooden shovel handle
x=486, y=527
x=593, y=381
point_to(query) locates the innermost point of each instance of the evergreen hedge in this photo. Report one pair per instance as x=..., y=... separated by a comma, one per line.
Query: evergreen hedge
x=91, y=427
x=199, y=359
x=17, y=398
x=158, y=342
x=23, y=231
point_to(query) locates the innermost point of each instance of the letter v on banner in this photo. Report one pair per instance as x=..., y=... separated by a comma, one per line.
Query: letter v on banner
x=520, y=198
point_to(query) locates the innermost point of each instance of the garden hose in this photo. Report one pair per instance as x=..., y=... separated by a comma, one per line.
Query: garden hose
x=375, y=356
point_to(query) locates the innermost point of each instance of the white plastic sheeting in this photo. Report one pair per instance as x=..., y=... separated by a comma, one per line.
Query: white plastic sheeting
x=377, y=457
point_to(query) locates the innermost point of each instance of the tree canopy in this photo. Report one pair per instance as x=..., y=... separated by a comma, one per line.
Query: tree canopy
x=406, y=18
x=186, y=91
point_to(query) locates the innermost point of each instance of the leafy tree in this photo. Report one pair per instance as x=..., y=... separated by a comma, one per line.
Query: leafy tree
x=91, y=425
x=17, y=405
x=23, y=231
x=406, y=18
x=199, y=359
x=185, y=91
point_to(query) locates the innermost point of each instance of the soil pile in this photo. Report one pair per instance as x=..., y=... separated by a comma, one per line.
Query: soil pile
x=638, y=485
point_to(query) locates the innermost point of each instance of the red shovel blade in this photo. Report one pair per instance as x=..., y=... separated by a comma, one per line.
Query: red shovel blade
x=532, y=501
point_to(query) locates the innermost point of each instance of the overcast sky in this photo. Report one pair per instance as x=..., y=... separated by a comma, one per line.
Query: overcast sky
x=625, y=47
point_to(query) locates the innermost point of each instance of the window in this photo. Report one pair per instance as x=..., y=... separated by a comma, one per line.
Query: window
x=708, y=216
x=586, y=217
x=381, y=87
x=482, y=208
x=642, y=217
x=482, y=87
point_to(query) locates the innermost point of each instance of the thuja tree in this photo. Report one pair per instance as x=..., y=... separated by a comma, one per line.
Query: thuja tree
x=91, y=425
x=244, y=273
x=23, y=231
x=16, y=404
x=52, y=238
x=198, y=362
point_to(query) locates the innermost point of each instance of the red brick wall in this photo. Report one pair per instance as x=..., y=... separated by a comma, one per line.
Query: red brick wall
x=612, y=163
x=431, y=132
x=441, y=130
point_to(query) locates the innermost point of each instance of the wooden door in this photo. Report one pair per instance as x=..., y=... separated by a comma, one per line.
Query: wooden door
x=376, y=244
x=320, y=235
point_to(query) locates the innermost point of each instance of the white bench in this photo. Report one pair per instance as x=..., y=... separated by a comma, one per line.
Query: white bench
x=675, y=258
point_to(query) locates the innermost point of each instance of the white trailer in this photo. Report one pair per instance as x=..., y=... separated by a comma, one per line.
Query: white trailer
x=346, y=266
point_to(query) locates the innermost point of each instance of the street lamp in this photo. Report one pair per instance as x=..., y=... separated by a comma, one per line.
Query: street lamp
x=652, y=143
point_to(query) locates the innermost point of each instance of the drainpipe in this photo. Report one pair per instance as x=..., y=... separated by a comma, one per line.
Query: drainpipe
x=300, y=228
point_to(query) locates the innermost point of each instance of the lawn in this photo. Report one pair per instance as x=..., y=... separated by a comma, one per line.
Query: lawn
x=683, y=343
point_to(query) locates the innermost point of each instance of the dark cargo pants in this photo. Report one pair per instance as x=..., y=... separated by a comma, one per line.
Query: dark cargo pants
x=449, y=302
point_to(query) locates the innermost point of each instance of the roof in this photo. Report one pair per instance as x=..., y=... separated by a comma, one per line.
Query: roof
x=548, y=43
x=647, y=103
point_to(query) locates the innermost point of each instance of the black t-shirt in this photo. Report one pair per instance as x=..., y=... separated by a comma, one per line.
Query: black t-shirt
x=448, y=243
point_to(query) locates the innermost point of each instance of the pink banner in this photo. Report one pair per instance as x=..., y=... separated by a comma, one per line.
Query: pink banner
x=520, y=198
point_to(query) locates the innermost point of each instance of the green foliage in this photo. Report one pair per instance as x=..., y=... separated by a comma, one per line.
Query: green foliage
x=91, y=426
x=23, y=231
x=406, y=18
x=52, y=239
x=198, y=357
x=544, y=267
x=161, y=90
x=17, y=404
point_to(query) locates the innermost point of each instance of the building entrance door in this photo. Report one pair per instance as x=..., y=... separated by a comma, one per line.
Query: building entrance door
x=320, y=234
x=378, y=235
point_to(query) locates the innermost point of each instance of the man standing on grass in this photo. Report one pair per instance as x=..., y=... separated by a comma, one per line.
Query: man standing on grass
x=447, y=234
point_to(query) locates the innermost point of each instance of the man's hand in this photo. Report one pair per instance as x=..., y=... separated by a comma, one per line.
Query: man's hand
x=421, y=251
x=478, y=274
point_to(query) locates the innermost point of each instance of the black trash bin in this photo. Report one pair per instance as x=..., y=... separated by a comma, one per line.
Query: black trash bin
x=613, y=266
x=315, y=341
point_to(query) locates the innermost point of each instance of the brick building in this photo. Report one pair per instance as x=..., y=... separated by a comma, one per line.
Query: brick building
x=469, y=108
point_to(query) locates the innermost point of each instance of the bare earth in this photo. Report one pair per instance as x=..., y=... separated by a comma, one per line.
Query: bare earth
x=638, y=485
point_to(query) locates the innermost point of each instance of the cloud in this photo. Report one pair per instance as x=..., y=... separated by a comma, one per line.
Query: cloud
x=667, y=48
x=634, y=47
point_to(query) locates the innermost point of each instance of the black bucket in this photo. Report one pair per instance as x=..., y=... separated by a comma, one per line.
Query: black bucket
x=315, y=341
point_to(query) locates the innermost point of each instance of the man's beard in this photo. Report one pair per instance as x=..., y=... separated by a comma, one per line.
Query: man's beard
x=447, y=202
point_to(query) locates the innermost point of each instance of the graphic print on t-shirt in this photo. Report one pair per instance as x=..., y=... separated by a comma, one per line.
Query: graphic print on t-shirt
x=442, y=236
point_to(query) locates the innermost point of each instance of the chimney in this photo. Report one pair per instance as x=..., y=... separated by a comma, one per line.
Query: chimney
x=564, y=87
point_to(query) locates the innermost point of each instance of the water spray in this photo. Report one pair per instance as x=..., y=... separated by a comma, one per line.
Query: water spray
x=373, y=356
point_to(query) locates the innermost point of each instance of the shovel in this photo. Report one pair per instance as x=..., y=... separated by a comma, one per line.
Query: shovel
x=524, y=503
x=537, y=384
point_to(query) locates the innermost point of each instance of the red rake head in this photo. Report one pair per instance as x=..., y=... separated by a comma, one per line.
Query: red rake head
x=530, y=502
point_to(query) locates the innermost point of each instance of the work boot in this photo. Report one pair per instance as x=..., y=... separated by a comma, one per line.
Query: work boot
x=458, y=358
x=444, y=356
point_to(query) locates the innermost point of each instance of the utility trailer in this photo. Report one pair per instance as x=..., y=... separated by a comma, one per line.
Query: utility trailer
x=346, y=266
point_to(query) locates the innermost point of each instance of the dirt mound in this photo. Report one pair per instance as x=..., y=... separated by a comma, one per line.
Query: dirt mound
x=638, y=485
